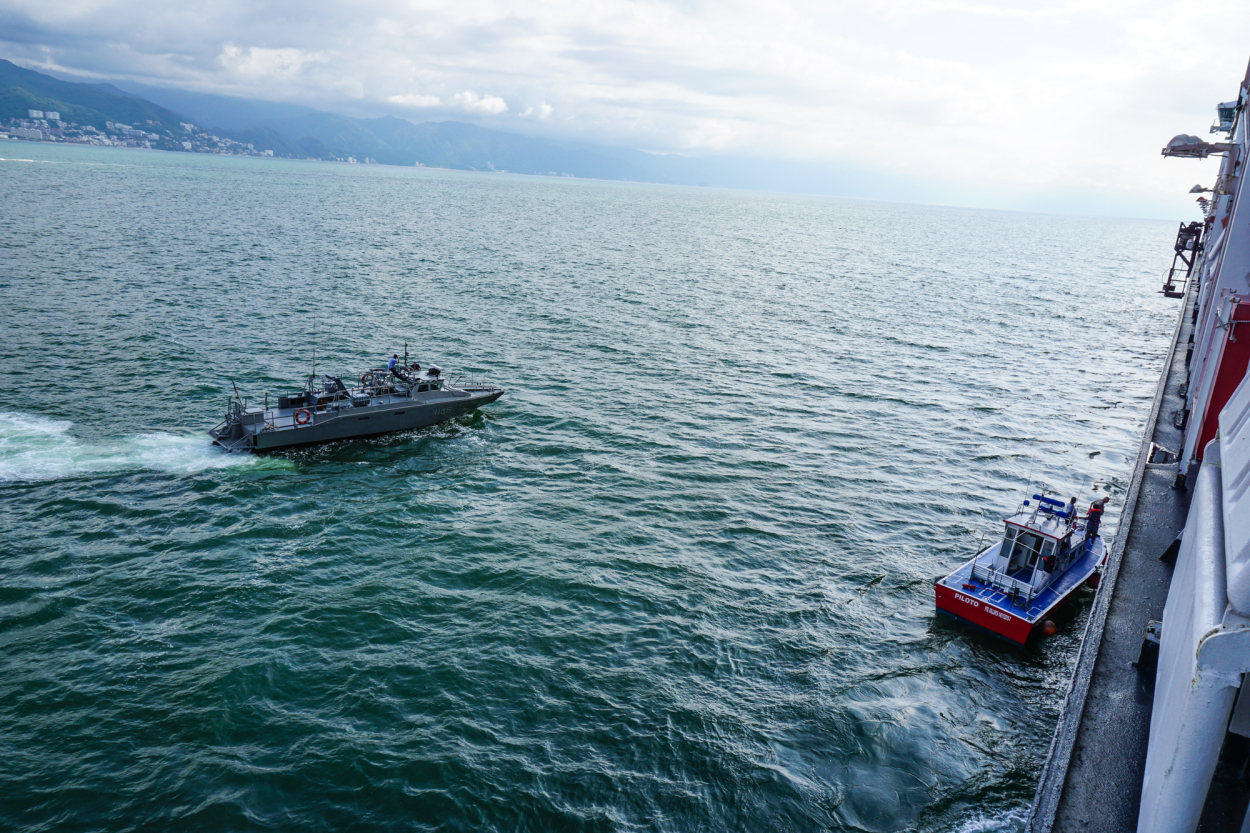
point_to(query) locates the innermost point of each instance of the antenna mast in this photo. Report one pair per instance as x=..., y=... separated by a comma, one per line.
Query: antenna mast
x=1080, y=498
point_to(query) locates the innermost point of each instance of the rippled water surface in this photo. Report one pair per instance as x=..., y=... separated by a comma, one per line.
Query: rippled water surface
x=678, y=578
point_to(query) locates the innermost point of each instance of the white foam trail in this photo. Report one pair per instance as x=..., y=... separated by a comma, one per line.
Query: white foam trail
x=39, y=448
x=1007, y=820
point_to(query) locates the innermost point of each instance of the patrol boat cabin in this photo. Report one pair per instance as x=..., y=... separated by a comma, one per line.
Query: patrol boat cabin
x=1011, y=587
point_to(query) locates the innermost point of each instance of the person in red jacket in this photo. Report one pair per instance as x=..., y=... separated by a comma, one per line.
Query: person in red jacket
x=1094, y=518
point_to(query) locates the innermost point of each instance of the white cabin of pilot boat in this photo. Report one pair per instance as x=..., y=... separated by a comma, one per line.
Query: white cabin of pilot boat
x=1011, y=586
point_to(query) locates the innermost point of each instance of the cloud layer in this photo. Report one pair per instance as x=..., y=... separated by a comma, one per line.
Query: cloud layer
x=1008, y=98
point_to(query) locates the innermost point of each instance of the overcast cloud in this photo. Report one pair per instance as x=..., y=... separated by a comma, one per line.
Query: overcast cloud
x=1013, y=104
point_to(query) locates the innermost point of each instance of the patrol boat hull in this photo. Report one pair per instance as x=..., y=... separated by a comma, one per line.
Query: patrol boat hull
x=346, y=425
x=1042, y=559
x=990, y=608
x=394, y=402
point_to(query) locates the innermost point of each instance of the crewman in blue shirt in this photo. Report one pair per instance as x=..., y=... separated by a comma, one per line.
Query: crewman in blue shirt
x=394, y=361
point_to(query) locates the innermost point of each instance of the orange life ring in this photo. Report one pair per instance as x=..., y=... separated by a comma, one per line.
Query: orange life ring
x=303, y=416
x=367, y=379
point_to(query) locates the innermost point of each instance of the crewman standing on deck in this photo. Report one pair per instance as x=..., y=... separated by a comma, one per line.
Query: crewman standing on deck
x=1071, y=510
x=1094, y=518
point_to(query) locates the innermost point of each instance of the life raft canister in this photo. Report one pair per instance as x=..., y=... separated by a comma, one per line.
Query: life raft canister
x=303, y=416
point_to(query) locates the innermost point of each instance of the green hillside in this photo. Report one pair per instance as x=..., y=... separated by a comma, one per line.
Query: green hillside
x=23, y=89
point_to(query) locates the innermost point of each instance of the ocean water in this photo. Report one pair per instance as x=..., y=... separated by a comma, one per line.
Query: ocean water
x=678, y=578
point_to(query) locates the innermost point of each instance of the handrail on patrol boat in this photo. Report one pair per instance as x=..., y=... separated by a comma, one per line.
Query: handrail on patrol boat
x=992, y=576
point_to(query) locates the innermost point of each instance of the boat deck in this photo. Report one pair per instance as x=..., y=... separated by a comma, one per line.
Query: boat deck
x=1079, y=571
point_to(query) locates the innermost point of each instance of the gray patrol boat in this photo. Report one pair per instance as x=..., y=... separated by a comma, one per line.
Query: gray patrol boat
x=327, y=409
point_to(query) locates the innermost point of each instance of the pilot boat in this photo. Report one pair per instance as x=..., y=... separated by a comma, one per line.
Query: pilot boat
x=1013, y=586
x=327, y=409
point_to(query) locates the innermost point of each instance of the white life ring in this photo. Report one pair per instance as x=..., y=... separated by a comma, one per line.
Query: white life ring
x=367, y=379
x=303, y=416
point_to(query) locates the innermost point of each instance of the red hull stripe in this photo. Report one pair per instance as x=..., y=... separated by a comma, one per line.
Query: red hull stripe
x=1231, y=370
x=984, y=614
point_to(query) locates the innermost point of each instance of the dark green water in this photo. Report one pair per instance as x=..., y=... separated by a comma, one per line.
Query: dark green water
x=679, y=578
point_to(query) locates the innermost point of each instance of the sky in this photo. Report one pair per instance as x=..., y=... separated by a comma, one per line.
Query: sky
x=1048, y=105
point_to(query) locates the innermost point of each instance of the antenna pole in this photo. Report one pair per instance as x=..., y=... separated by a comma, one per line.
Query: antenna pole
x=405, y=355
x=1080, y=498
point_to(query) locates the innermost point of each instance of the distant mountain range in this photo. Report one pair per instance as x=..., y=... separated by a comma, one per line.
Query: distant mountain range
x=152, y=116
x=296, y=131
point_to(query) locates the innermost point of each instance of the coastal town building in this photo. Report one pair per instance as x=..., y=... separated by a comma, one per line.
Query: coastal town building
x=47, y=126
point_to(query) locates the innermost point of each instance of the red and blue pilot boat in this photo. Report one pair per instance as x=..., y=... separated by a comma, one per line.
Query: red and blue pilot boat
x=1013, y=586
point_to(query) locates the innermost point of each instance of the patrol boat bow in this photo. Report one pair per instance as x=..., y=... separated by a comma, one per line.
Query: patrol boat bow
x=1011, y=587
x=385, y=401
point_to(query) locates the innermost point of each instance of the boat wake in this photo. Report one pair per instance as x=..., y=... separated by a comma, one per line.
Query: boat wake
x=38, y=448
x=1001, y=822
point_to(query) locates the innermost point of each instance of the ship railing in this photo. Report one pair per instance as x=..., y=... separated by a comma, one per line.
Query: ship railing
x=274, y=421
x=1002, y=581
x=1170, y=288
x=240, y=444
x=469, y=383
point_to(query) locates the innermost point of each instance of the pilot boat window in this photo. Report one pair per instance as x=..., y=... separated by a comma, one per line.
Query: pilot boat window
x=1025, y=550
x=1047, y=549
